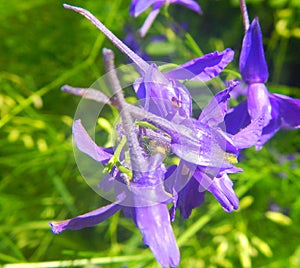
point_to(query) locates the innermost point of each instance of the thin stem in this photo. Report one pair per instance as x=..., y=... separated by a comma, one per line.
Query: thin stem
x=118, y=100
x=143, y=65
x=245, y=16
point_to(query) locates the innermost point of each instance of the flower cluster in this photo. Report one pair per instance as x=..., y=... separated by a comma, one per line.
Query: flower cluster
x=206, y=148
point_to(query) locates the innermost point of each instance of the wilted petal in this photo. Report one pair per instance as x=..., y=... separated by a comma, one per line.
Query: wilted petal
x=154, y=224
x=253, y=65
x=258, y=103
x=203, y=68
x=86, y=220
x=86, y=145
x=188, y=3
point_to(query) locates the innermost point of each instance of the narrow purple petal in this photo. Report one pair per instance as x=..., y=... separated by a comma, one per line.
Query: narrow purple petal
x=203, y=68
x=149, y=20
x=258, y=103
x=188, y=3
x=253, y=65
x=154, y=224
x=86, y=145
x=86, y=220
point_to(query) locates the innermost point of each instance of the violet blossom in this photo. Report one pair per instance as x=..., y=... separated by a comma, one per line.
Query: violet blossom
x=199, y=143
x=139, y=6
x=278, y=111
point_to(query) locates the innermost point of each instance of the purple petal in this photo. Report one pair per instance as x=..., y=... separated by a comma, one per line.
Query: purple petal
x=289, y=110
x=253, y=65
x=203, y=68
x=258, y=103
x=249, y=136
x=154, y=224
x=237, y=118
x=86, y=145
x=188, y=3
x=214, y=112
x=221, y=188
x=190, y=197
x=86, y=220
x=139, y=6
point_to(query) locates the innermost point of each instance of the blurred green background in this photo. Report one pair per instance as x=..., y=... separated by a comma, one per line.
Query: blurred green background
x=44, y=47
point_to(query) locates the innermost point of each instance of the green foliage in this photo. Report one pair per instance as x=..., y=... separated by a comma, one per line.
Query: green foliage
x=43, y=47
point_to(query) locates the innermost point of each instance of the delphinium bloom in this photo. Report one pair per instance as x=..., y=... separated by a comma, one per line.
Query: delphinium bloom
x=145, y=190
x=139, y=6
x=278, y=111
x=194, y=141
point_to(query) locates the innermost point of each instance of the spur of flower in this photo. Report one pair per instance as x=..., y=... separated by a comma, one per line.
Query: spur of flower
x=278, y=111
x=139, y=6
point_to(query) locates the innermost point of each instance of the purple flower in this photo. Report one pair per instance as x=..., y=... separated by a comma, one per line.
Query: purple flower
x=139, y=6
x=149, y=214
x=275, y=110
